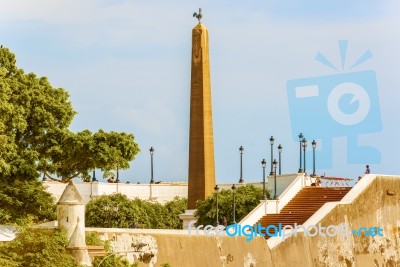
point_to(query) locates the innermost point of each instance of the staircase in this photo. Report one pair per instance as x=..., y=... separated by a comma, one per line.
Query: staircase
x=304, y=204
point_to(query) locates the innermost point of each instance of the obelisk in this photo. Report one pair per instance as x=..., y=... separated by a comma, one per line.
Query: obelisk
x=201, y=141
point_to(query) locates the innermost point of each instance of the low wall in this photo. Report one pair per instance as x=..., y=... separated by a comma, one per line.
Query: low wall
x=179, y=249
x=374, y=204
x=155, y=192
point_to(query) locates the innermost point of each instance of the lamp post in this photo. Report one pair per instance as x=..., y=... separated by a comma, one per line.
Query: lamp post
x=117, y=180
x=263, y=165
x=151, y=157
x=234, y=203
x=314, y=145
x=300, y=140
x=304, y=153
x=275, y=163
x=110, y=212
x=280, y=152
x=94, y=176
x=271, y=141
x=241, y=149
x=216, y=189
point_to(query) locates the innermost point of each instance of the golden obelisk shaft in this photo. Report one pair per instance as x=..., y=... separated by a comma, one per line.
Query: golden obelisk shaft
x=201, y=141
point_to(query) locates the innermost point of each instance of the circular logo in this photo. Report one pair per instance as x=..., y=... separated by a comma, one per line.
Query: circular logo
x=358, y=94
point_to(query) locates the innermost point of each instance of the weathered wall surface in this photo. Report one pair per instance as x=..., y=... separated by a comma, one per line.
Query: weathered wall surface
x=181, y=250
x=186, y=251
x=376, y=206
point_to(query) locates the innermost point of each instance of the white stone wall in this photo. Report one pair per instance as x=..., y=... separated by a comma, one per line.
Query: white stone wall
x=155, y=192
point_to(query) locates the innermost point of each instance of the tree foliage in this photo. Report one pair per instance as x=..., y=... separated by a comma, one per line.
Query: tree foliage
x=37, y=247
x=247, y=197
x=25, y=203
x=34, y=134
x=110, y=211
x=112, y=260
x=118, y=211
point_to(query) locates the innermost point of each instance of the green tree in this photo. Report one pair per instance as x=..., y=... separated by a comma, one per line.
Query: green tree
x=247, y=198
x=25, y=203
x=78, y=154
x=34, y=114
x=173, y=208
x=118, y=211
x=37, y=247
x=34, y=134
x=112, y=260
x=111, y=211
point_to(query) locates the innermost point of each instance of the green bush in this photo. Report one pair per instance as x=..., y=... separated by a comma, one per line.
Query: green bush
x=122, y=212
x=37, y=247
x=247, y=197
x=112, y=260
x=25, y=203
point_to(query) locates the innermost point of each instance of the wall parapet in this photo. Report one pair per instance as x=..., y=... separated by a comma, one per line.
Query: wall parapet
x=161, y=193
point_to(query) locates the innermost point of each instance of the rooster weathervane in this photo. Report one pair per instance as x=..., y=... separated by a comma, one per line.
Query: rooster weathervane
x=198, y=15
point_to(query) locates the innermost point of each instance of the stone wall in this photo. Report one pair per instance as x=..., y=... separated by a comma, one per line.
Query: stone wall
x=156, y=192
x=179, y=249
x=371, y=203
x=378, y=205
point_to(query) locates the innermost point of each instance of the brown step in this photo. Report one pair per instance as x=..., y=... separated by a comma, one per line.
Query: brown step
x=303, y=205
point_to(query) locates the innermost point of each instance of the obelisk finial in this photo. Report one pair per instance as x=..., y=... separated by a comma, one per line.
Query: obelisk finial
x=198, y=15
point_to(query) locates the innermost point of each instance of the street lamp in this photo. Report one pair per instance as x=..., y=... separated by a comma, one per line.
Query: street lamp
x=117, y=180
x=300, y=140
x=110, y=213
x=263, y=165
x=151, y=156
x=241, y=149
x=271, y=141
x=234, y=203
x=314, y=145
x=216, y=189
x=304, y=153
x=280, y=152
x=94, y=176
x=275, y=163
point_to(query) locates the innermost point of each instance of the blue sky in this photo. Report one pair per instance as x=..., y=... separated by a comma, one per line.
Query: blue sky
x=126, y=65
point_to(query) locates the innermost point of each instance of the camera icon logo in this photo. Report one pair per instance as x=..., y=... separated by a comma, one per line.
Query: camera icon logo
x=344, y=104
x=358, y=94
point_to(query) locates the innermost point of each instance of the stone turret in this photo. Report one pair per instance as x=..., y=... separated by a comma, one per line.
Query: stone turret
x=77, y=245
x=71, y=219
x=69, y=208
